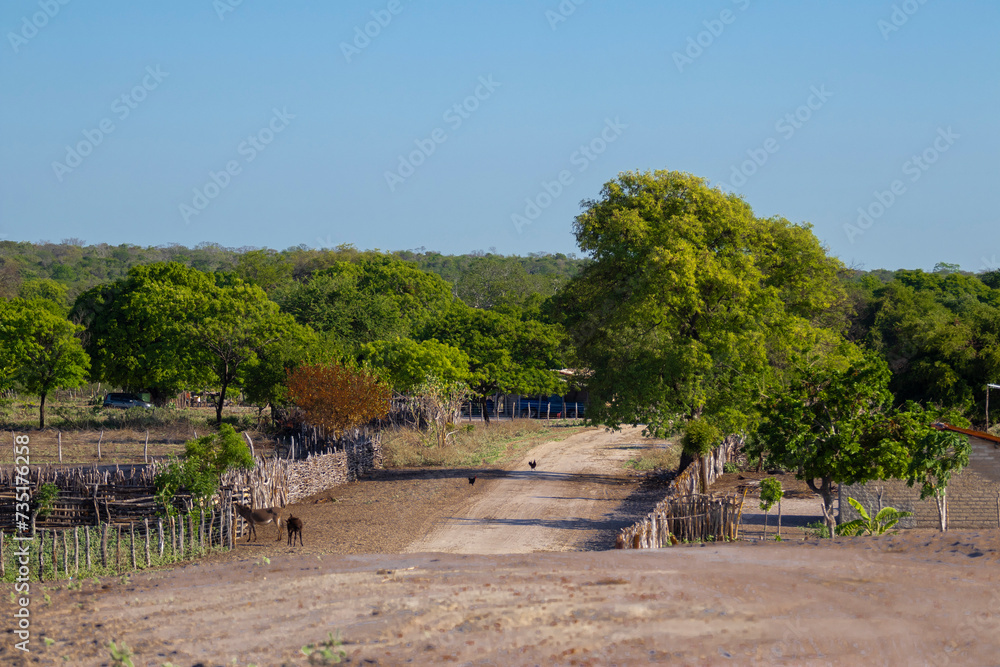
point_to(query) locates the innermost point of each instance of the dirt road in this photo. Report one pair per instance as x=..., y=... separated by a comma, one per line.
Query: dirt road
x=916, y=599
x=557, y=506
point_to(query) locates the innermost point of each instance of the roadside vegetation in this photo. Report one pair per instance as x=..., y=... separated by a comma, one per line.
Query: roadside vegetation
x=657, y=457
x=471, y=444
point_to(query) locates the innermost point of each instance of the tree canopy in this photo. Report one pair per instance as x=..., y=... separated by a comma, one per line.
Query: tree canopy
x=40, y=349
x=506, y=355
x=408, y=364
x=690, y=302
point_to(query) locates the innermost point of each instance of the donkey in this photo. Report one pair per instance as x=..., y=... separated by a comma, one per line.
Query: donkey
x=294, y=525
x=261, y=516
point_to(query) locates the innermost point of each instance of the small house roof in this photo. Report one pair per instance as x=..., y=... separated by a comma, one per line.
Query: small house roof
x=982, y=435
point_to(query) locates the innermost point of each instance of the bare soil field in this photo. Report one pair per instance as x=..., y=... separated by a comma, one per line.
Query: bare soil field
x=915, y=598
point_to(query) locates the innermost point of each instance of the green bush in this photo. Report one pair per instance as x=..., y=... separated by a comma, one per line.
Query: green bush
x=700, y=437
x=818, y=529
x=770, y=493
x=868, y=525
x=205, y=460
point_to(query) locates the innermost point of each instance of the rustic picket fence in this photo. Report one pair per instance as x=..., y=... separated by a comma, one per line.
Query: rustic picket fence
x=109, y=549
x=686, y=515
x=697, y=518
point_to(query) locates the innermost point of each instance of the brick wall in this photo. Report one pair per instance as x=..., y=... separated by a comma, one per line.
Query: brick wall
x=972, y=495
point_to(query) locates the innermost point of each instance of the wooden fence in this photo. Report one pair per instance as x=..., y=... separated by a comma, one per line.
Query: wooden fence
x=711, y=519
x=685, y=519
x=90, y=495
x=116, y=548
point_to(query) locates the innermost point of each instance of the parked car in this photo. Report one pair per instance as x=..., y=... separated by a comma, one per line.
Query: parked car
x=125, y=401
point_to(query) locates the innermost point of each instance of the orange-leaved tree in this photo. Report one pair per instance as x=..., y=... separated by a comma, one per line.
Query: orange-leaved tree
x=338, y=397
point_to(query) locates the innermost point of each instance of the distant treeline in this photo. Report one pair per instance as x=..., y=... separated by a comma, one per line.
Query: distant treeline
x=78, y=267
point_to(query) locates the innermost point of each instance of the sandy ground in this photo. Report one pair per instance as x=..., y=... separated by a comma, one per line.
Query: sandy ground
x=916, y=598
x=554, y=507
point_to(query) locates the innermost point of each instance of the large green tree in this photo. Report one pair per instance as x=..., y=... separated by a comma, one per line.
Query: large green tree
x=831, y=425
x=506, y=355
x=166, y=327
x=940, y=334
x=691, y=304
x=230, y=327
x=374, y=297
x=40, y=349
x=137, y=329
x=407, y=364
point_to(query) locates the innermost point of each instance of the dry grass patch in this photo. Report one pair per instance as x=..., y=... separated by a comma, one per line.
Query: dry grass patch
x=471, y=444
x=661, y=455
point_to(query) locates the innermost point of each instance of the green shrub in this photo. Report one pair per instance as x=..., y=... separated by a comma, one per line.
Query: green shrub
x=868, y=525
x=818, y=529
x=700, y=437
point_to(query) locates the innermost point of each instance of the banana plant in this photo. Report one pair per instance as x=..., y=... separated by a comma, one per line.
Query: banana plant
x=867, y=525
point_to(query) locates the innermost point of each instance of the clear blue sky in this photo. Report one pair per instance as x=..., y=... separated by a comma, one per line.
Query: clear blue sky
x=203, y=85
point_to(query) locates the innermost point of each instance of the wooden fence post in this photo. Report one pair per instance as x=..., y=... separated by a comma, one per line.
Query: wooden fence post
x=149, y=560
x=76, y=551
x=118, y=549
x=99, y=452
x=211, y=522
x=145, y=449
x=131, y=530
x=104, y=544
x=86, y=539
x=41, y=555
x=55, y=562
x=65, y=542
x=3, y=566
x=59, y=437
x=180, y=535
x=191, y=536
x=159, y=529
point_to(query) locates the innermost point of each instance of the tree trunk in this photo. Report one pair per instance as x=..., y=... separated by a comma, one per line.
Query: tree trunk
x=222, y=400
x=942, y=505
x=703, y=464
x=779, y=517
x=484, y=410
x=158, y=397
x=41, y=410
x=825, y=490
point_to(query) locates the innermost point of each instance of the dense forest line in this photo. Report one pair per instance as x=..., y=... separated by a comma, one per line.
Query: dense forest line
x=78, y=266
